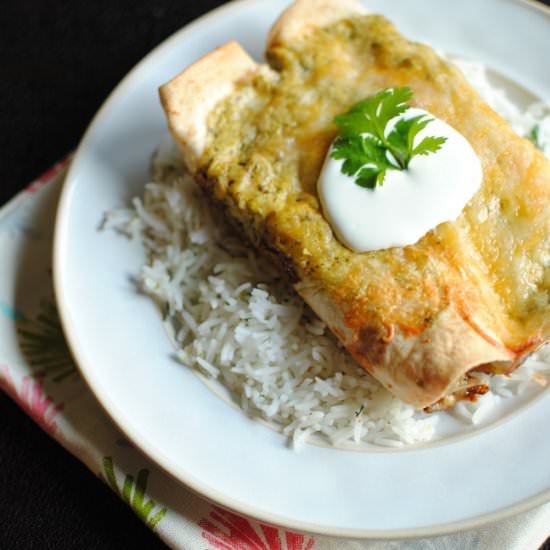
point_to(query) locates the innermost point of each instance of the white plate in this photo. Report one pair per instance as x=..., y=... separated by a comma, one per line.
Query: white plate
x=174, y=418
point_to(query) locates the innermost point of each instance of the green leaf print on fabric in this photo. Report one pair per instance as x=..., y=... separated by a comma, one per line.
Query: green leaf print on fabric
x=133, y=492
x=43, y=343
x=10, y=312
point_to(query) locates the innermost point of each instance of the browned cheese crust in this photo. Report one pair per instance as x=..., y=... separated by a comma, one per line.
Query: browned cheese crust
x=472, y=294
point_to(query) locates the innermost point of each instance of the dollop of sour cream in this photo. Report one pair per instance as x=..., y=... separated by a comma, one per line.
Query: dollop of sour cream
x=432, y=190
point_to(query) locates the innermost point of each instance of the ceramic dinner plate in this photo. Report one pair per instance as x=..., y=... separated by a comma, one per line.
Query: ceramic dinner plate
x=462, y=481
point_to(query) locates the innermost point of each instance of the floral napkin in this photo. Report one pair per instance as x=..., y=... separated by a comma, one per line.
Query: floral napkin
x=37, y=371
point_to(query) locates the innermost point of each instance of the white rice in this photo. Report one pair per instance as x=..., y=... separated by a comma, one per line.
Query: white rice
x=233, y=319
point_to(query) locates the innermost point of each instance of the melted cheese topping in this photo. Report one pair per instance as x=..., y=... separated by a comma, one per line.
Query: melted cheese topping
x=266, y=148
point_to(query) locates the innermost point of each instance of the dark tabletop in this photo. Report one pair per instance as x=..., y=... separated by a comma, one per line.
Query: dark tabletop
x=59, y=59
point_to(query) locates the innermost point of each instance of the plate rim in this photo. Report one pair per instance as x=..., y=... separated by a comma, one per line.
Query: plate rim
x=155, y=456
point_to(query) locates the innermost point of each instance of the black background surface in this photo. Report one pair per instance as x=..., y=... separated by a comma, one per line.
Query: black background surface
x=58, y=62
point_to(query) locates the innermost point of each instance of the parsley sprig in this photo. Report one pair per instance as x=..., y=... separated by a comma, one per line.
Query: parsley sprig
x=367, y=151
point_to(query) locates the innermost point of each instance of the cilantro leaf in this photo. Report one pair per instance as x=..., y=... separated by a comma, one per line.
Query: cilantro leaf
x=372, y=115
x=429, y=145
x=354, y=124
x=393, y=102
x=364, y=158
x=534, y=136
x=368, y=149
x=370, y=176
